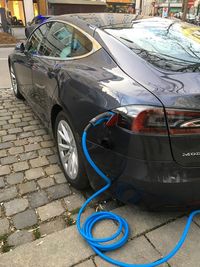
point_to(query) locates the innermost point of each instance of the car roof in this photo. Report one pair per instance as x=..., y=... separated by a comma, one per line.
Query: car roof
x=89, y=21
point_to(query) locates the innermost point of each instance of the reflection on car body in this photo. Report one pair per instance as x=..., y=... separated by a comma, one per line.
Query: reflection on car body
x=77, y=66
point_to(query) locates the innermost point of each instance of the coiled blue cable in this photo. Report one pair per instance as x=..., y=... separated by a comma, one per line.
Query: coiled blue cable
x=121, y=236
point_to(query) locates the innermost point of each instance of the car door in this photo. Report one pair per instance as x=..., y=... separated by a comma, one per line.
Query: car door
x=46, y=66
x=25, y=62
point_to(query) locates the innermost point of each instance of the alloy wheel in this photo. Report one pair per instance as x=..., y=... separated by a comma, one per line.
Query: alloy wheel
x=67, y=149
x=13, y=81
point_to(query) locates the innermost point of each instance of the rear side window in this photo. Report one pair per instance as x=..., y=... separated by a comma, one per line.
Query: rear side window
x=64, y=41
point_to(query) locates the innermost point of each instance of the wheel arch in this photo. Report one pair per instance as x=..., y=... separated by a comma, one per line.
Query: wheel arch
x=54, y=113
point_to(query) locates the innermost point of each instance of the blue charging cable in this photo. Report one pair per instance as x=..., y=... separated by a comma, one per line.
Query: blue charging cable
x=120, y=237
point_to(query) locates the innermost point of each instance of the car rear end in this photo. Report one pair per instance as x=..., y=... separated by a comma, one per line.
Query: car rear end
x=155, y=152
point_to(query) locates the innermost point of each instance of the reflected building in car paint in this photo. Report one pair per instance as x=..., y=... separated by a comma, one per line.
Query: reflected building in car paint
x=58, y=7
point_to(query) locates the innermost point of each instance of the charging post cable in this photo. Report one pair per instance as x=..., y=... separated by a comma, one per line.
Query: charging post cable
x=120, y=237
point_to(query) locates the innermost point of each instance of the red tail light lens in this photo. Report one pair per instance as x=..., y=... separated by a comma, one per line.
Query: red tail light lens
x=142, y=119
x=154, y=120
x=183, y=121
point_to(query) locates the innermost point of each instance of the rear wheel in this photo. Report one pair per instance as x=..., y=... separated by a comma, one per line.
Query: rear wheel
x=14, y=84
x=70, y=152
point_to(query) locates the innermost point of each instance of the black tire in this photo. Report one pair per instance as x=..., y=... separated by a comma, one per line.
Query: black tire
x=80, y=179
x=14, y=83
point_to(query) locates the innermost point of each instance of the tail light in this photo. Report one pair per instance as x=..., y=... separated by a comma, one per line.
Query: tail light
x=183, y=121
x=154, y=120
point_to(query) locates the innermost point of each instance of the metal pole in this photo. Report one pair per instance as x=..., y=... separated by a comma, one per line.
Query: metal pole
x=168, y=8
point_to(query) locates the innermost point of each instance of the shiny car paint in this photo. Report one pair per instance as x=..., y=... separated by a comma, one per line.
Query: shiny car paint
x=143, y=168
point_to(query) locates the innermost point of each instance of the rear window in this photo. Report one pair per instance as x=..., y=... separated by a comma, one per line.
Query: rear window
x=166, y=44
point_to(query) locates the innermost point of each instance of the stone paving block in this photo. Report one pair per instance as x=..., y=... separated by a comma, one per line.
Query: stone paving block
x=166, y=237
x=35, y=139
x=56, y=249
x=34, y=122
x=9, y=137
x=14, y=130
x=45, y=152
x=14, y=206
x=3, y=123
x=47, y=137
x=14, y=121
x=28, y=155
x=2, y=184
x=17, y=116
x=104, y=229
x=34, y=173
x=47, y=144
x=25, y=219
x=50, y=210
x=4, y=170
x=21, y=142
x=5, y=118
x=39, y=162
x=46, y=182
x=60, y=178
x=21, y=124
x=15, y=178
x=3, y=132
x=52, y=169
x=88, y=263
x=74, y=201
x=53, y=159
x=137, y=251
x=3, y=153
x=19, y=238
x=32, y=147
x=20, y=166
x=4, y=226
x=52, y=226
x=8, y=160
x=25, y=134
x=40, y=132
x=30, y=128
x=141, y=221
x=28, y=119
x=27, y=187
x=5, y=145
x=8, y=193
x=8, y=126
x=38, y=199
x=58, y=191
x=16, y=150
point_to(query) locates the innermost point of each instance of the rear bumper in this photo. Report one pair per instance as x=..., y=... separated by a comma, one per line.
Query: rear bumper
x=156, y=184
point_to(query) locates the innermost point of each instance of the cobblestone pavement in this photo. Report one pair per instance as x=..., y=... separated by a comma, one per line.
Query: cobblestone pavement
x=35, y=198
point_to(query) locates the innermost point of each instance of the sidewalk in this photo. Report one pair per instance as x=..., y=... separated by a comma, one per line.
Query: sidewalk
x=154, y=235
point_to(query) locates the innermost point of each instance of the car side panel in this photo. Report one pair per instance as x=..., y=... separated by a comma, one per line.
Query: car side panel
x=96, y=85
x=22, y=65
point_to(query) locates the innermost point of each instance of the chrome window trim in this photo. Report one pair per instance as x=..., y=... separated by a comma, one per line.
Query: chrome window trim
x=95, y=45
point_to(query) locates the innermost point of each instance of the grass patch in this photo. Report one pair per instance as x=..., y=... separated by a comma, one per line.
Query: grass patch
x=75, y=211
x=5, y=247
x=37, y=233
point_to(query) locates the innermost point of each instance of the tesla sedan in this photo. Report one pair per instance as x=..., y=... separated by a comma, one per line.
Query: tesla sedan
x=75, y=67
